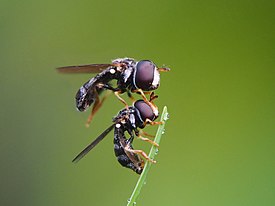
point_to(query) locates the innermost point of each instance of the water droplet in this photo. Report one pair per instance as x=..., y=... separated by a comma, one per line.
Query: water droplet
x=157, y=151
x=144, y=183
x=166, y=117
x=135, y=203
x=129, y=200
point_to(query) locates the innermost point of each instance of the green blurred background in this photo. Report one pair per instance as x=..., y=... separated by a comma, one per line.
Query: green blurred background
x=219, y=146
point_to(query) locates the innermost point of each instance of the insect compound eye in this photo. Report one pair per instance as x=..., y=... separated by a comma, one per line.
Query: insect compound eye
x=146, y=75
x=145, y=111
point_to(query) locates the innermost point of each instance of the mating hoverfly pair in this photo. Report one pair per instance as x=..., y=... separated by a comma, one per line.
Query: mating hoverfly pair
x=140, y=77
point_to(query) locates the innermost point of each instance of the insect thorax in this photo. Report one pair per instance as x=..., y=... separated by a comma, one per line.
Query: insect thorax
x=127, y=71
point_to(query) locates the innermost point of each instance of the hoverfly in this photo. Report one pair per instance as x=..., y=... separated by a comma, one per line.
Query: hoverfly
x=129, y=120
x=131, y=75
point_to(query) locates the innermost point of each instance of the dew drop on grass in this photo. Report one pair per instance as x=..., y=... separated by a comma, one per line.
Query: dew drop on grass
x=157, y=151
x=166, y=117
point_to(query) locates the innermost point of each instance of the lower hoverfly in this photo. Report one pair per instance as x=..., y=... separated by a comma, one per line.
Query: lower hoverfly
x=129, y=120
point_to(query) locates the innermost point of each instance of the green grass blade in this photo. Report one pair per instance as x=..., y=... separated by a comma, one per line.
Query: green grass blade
x=153, y=152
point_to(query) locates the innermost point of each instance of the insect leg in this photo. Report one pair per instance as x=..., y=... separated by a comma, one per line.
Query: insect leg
x=117, y=93
x=150, y=102
x=148, y=121
x=109, y=87
x=142, y=93
x=130, y=96
x=122, y=100
x=146, y=134
x=148, y=140
x=139, y=136
x=153, y=96
x=98, y=103
x=138, y=152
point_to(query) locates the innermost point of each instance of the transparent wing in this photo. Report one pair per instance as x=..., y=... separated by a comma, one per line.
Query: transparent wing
x=89, y=68
x=93, y=144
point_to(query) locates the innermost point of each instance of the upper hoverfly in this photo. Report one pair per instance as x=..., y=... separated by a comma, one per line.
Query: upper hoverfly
x=131, y=75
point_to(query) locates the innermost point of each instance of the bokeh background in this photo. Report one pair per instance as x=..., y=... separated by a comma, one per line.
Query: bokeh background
x=219, y=146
